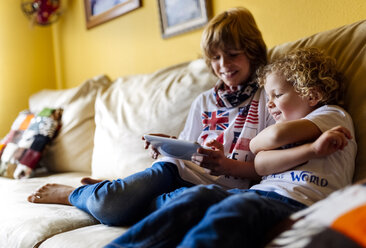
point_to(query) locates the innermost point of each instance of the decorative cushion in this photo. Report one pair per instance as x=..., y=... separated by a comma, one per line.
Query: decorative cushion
x=347, y=45
x=140, y=104
x=22, y=148
x=337, y=221
x=72, y=149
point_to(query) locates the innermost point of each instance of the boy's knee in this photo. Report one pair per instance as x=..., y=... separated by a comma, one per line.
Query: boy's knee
x=111, y=214
x=108, y=206
x=240, y=204
x=165, y=165
x=205, y=193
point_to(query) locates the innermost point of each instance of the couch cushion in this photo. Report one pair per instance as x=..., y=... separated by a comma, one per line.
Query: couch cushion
x=347, y=45
x=25, y=224
x=140, y=104
x=72, y=149
x=102, y=235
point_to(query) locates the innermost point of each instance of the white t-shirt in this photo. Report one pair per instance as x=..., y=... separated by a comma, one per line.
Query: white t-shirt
x=316, y=179
x=206, y=122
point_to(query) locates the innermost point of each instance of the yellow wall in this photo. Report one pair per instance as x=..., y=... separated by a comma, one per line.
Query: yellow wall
x=132, y=43
x=67, y=53
x=26, y=62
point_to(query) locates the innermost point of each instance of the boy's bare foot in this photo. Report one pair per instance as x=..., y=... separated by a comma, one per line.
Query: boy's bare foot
x=89, y=180
x=52, y=193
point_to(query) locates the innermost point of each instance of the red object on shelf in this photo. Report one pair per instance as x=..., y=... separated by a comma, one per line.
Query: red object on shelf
x=42, y=12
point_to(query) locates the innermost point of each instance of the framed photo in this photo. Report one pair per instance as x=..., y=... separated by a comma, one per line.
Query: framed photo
x=179, y=16
x=100, y=11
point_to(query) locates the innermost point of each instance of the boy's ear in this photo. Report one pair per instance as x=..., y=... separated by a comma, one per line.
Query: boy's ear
x=314, y=98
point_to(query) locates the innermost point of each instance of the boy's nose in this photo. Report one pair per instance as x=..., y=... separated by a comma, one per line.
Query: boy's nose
x=270, y=104
x=224, y=61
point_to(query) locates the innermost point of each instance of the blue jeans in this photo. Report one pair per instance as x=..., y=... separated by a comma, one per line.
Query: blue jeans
x=125, y=201
x=209, y=216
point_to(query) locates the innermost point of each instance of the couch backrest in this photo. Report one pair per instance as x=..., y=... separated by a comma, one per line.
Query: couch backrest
x=141, y=104
x=347, y=45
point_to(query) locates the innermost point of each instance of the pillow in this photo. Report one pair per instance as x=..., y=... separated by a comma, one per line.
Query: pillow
x=29, y=135
x=347, y=45
x=337, y=221
x=140, y=104
x=71, y=150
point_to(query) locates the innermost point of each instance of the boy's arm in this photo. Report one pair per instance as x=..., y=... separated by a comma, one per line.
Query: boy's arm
x=275, y=161
x=284, y=133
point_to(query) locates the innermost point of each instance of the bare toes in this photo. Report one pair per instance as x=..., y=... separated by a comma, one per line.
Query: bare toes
x=51, y=193
x=31, y=198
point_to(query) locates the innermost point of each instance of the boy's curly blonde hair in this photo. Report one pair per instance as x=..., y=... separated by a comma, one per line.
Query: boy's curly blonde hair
x=309, y=70
x=234, y=29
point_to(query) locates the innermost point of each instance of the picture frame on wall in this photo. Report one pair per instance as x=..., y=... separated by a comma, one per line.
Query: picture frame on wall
x=177, y=16
x=101, y=11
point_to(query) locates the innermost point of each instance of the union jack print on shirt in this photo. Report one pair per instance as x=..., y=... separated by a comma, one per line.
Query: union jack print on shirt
x=216, y=120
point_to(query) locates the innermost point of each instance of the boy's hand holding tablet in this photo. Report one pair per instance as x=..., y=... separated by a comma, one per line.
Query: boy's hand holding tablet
x=170, y=147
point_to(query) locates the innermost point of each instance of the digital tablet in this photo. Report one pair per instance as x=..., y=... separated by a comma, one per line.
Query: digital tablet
x=174, y=148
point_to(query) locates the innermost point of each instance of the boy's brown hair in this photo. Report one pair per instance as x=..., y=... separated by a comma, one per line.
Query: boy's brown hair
x=234, y=29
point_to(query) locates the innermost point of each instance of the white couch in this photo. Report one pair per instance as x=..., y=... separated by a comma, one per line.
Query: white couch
x=103, y=122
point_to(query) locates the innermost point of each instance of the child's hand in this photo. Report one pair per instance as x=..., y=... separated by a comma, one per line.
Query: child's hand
x=331, y=141
x=212, y=159
x=154, y=153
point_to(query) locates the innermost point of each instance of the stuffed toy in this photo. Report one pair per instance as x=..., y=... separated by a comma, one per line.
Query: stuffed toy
x=21, y=149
